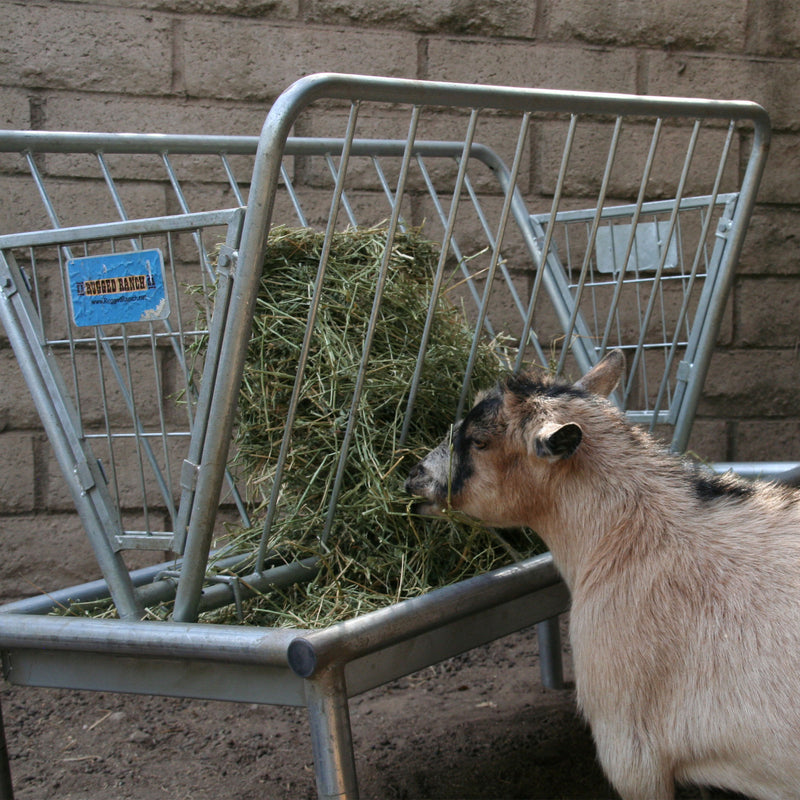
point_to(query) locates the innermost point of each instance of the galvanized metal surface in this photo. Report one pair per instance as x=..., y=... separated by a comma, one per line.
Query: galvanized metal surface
x=559, y=282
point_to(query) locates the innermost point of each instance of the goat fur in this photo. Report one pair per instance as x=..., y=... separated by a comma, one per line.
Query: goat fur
x=685, y=585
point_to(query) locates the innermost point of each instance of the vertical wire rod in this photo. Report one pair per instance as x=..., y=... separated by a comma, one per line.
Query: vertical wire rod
x=645, y=321
x=637, y=211
x=448, y=241
x=234, y=184
x=287, y=182
x=305, y=348
x=501, y=229
x=548, y=237
x=601, y=199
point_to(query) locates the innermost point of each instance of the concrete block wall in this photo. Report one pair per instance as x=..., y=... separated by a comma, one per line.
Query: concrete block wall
x=215, y=66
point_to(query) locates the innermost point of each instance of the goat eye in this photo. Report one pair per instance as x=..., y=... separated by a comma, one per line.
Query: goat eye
x=479, y=444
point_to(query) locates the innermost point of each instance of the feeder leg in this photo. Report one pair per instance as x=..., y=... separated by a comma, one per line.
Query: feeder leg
x=331, y=738
x=6, y=789
x=550, y=663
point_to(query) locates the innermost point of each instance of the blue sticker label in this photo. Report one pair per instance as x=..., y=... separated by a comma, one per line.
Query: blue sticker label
x=117, y=288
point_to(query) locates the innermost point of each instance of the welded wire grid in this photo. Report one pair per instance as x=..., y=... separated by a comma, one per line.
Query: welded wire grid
x=134, y=386
x=550, y=288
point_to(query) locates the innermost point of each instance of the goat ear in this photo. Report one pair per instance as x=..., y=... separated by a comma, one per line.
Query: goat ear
x=556, y=442
x=604, y=376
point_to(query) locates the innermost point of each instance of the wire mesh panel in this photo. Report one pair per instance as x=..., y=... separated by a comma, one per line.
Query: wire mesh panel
x=117, y=382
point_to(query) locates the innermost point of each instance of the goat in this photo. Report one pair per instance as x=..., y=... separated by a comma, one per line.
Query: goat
x=684, y=584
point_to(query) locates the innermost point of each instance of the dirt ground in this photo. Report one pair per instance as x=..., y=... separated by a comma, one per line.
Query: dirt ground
x=477, y=727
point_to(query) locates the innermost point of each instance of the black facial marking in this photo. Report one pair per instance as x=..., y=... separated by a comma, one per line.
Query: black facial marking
x=480, y=420
x=524, y=386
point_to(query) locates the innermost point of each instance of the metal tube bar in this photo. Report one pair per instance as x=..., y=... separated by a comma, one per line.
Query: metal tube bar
x=238, y=644
x=550, y=663
x=315, y=650
x=744, y=208
x=109, y=230
x=331, y=736
x=701, y=245
x=6, y=786
x=58, y=418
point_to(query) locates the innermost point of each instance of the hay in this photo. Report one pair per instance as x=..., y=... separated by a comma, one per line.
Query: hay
x=377, y=552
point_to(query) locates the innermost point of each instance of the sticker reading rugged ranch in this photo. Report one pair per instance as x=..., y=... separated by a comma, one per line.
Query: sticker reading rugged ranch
x=119, y=287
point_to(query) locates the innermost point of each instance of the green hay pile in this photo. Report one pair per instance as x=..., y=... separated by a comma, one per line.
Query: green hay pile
x=377, y=553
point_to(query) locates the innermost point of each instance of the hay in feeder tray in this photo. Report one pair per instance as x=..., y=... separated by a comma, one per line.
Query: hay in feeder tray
x=375, y=552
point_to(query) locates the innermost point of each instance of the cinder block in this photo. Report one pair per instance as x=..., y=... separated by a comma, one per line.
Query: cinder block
x=707, y=24
x=56, y=46
x=768, y=440
x=75, y=111
x=484, y=18
x=17, y=409
x=249, y=60
x=21, y=209
x=77, y=202
x=772, y=242
x=766, y=312
x=779, y=184
x=14, y=108
x=709, y=440
x=17, y=479
x=42, y=553
x=744, y=384
x=542, y=66
x=774, y=28
x=768, y=82
x=244, y=8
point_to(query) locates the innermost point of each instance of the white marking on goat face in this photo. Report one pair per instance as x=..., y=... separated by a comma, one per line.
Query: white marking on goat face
x=439, y=479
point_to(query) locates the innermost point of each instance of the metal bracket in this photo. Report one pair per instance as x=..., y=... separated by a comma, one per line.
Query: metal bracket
x=84, y=475
x=144, y=541
x=227, y=260
x=8, y=287
x=189, y=472
x=684, y=371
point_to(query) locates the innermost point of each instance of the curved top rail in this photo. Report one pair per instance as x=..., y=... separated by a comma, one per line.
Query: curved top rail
x=371, y=88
